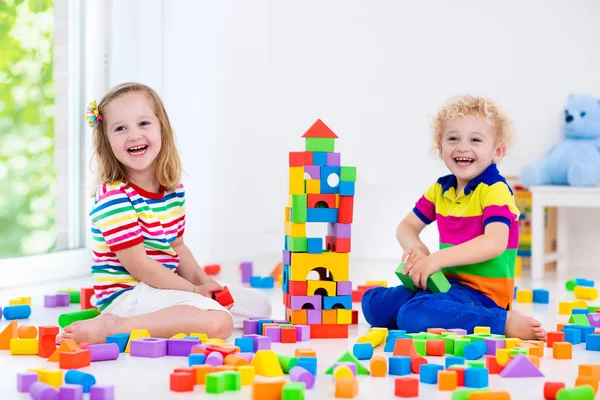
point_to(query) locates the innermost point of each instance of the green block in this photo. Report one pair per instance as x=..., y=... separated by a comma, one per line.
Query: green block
x=348, y=174
x=593, y=309
x=420, y=346
x=494, y=335
x=585, y=392
x=428, y=336
x=299, y=210
x=284, y=325
x=233, y=380
x=405, y=279
x=449, y=344
x=579, y=319
x=464, y=394
x=69, y=318
x=293, y=391
x=297, y=244
x=349, y=357
x=414, y=336
x=459, y=346
x=215, y=383
x=570, y=285
x=320, y=144
x=476, y=363
x=287, y=362
x=519, y=350
x=475, y=338
x=74, y=295
x=436, y=283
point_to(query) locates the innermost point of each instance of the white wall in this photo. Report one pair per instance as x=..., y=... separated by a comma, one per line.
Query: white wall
x=243, y=81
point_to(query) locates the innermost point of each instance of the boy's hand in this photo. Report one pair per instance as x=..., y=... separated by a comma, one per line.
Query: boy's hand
x=412, y=255
x=421, y=270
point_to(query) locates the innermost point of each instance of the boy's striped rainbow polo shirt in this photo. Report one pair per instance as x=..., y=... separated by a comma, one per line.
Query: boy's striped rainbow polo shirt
x=485, y=199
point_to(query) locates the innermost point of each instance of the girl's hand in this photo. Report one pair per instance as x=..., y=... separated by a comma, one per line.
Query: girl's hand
x=412, y=255
x=421, y=270
x=207, y=289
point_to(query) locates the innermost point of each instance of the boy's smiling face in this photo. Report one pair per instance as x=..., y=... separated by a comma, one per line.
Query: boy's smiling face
x=469, y=146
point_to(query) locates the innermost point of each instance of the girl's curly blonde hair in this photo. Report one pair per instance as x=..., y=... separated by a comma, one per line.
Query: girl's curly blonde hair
x=461, y=106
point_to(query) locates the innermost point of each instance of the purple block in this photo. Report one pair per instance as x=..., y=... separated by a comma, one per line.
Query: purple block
x=458, y=331
x=287, y=257
x=594, y=319
x=494, y=344
x=342, y=231
x=350, y=365
x=246, y=268
x=105, y=351
x=314, y=171
x=250, y=327
x=150, y=347
x=299, y=374
x=102, y=392
x=262, y=343
x=247, y=356
x=42, y=391
x=62, y=300
x=70, y=392
x=344, y=288
x=214, y=358
x=333, y=159
x=25, y=380
x=181, y=347
x=281, y=321
x=50, y=301
x=314, y=317
x=274, y=332
x=302, y=333
x=298, y=302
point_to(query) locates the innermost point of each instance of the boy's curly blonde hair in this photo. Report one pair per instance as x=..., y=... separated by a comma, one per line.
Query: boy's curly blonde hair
x=461, y=106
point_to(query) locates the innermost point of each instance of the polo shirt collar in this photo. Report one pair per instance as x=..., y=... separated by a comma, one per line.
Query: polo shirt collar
x=490, y=174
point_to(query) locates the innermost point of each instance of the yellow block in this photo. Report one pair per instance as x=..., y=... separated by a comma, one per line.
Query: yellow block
x=481, y=329
x=312, y=286
x=296, y=180
x=136, y=334
x=374, y=337
x=337, y=264
x=213, y=341
x=14, y=302
x=380, y=283
x=313, y=186
x=178, y=336
x=294, y=230
x=585, y=293
x=502, y=356
x=344, y=317
x=509, y=343
x=247, y=374
x=288, y=211
x=201, y=336
x=524, y=296
x=52, y=378
x=24, y=346
x=266, y=363
x=566, y=307
x=382, y=331
x=342, y=371
x=518, y=264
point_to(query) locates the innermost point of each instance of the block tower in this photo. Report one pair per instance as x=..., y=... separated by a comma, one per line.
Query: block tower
x=321, y=190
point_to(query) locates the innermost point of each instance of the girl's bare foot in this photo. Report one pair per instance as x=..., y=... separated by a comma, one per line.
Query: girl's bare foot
x=92, y=331
x=523, y=327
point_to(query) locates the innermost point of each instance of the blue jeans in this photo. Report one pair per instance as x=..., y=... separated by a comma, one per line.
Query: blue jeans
x=460, y=307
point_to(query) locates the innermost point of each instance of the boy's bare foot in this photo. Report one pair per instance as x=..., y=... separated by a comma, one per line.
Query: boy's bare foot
x=92, y=331
x=523, y=327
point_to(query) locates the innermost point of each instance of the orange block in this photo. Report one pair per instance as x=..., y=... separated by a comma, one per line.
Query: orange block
x=562, y=350
x=535, y=360
x=27, y=332
x=447, y=380
x=436, y=331
x=278, y=270
x=47, y=340
x=267, y=390
x=489, y=396
x=587, y=380
x=298, y=317
x=305, y=353
x=435, y=347
x=329, y=317
x=552, y=388
x=10, y=332
x=346, y=388
x=67, y=345
x=75, y=359
x=537, y=349
x=589, y=370
x=379, y=366
x=220, y=368
x=234, y=360
x=201, y=371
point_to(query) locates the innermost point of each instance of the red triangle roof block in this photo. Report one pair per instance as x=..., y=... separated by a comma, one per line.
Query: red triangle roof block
x=319, y=130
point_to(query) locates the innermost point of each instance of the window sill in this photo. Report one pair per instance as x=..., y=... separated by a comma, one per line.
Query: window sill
x=21, y=271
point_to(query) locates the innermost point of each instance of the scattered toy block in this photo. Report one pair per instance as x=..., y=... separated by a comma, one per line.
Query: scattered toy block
x=25, y=380
x=266, y=363
x=585, y=293
x=212, y=269
x=475, y=350
x=149, y=347
x=551, y=389
x=85, y=296
x=68, y=318
x=305, y=353
x=406, y=387
x=24, y=347
x=541, y=296
x=346, y=388
x=21, y=311
x=52, y=378
x=379, y=366
x=399, y=365
x=342, y=372
x=592, y=342
x=521, y=367
x=585, y=392
x=293, y=391
x=328, y=331
x=75, y=359
x=476, y=377
x=104, y=351
x=562, y=350
x=247, y=373
x=362, y=351
x=47, y=340
x=182, y=382
x=436, y=347
x=75, y=377
x=592, y=370
x=587, y=380
x=492, y=365
x=102, y=392
x=121, y=339
x=10, y=332
x=460, y=374
x=137, y=334
x=348, y=357
x=27, y=332
x=481, y=329
x=447, y=380
x=41, y=390
x=67, y=345
x=552, y=337
x=215, y=383
x=429, y=373
x=271, y=389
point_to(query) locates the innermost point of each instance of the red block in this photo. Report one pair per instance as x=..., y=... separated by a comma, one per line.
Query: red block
x=552, y=337
x=346, y=209
x=47, y=341
x=288, y=334
x=337, y=245
x=328, y=331
x=85, y=295
x=415, y=364
x=224, y=352
x=182, y=382
x=364, y=288
x=406, y=387
x=357, y=296
x=354, y=317
x=308, y=158
x=460, y=375
x=296, y=158
x=435, y=347
x=491, y=363
x=551, y=388
x=212, y=269
x=223, y=297
x=297, y=288
x=313, y=200
x=75, y=359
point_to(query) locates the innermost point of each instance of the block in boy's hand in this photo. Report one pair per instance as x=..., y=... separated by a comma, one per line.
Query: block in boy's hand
x=223, y=297
x=437, y=282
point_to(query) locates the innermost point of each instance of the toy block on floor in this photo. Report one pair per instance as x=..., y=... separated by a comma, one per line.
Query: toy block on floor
x=379, y=366
x=10, y=332
x=24, y=346
x=436, y=347
x=346, y=388
x=149, y=347
x=182, y=382
x=585, y=293
x=27, y=332
x=362, y=351
x=541, y=296
x=447, y=380
x=524, y=296
x=266, y=363
x=551, y=389
x=399, y=365
x=592, y=342
x=75, y=359
x=270, y=389
x=562, y=350
x=492, y=365
x=349, y=357
x=406, y=387
x=520, y=367
x=587, y=380
x=68, y=345
x=585, y=392
x=121, y=339
x=328, y=331
x=85, y=295
x=552, y=337
x=136, y=334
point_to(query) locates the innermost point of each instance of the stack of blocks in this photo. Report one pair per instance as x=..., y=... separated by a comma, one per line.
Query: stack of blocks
x=321, y=191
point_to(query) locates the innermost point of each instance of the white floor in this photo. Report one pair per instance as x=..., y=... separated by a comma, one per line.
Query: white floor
x=149, y=378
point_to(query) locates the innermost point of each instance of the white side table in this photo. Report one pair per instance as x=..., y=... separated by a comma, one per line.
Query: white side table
x=559, y=197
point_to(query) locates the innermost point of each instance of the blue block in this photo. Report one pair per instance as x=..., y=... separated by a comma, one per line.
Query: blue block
x=585, y=330
x=120, y=339
x=326, y=172
x=309, y=364
x=191, y=337
x=285, y=242
x=454, y=360
x=580, y=311
x=321, y=215
x=268, y=282
x=285, y=280
x=75, y=377
x=541, y=296
x=592, y=342
x=20, y=311
x=399, y=365
x=363, y=351
x=260, y=323
x=346, y=188
x=572, y=336
x=390, y=341
x=514, y=291
x=475, y=350
x=329, y=302
x=584, y=282
x=315, y=245
x=255, y=281
x=475, y=377
x=429, y=373
x=245, y=344
x=196, y=359
x=319, y=158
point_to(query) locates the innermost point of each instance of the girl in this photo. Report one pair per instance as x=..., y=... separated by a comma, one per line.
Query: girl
x=144, y=274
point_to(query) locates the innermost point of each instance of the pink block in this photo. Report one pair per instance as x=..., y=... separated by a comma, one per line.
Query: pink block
x=247, y=356
x=274, y=332
x=302, y=333
x=344, y=288
x=49, y=301
x=314, y=317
